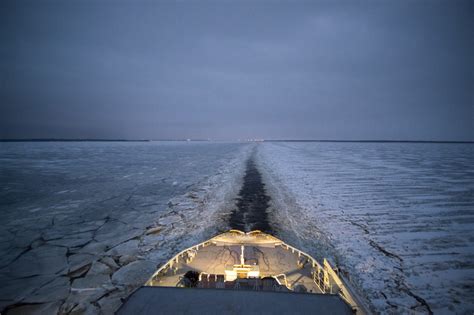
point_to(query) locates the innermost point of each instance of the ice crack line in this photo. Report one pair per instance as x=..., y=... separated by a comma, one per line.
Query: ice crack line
x=400, y=281
x=384, y=251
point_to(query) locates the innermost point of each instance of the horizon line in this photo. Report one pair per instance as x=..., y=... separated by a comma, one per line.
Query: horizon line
x=222, y=140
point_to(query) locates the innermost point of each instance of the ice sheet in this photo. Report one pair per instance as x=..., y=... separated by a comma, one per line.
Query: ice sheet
x=84, y=224
x=398, y=216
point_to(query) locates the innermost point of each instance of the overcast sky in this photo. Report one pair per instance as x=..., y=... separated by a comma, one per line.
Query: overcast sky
x=237, y=69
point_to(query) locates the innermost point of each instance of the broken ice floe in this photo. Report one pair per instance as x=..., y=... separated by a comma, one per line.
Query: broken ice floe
x=68, y=261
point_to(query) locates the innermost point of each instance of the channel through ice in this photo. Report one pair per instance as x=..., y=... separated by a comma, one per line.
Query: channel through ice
x=86, y=223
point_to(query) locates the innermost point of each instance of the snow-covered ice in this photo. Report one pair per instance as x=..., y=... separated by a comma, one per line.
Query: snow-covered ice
x=398, y=216
x=84, y=224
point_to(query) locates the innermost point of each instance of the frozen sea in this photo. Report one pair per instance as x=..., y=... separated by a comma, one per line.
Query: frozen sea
x=85, y=223
x=398, y=216
x=98, y=178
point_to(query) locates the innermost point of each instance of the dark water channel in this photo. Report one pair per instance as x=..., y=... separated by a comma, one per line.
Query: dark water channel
x=253, y=203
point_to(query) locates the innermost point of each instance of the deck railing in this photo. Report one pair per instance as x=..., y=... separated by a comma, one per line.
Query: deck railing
x=175, y=260
x=327, y=279
x=324, y=276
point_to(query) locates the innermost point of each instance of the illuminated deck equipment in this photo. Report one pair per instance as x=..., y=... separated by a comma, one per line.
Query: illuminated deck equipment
x=234, y=265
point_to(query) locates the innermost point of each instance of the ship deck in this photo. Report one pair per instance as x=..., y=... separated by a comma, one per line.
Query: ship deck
x=236, y=262
x=273, y=259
